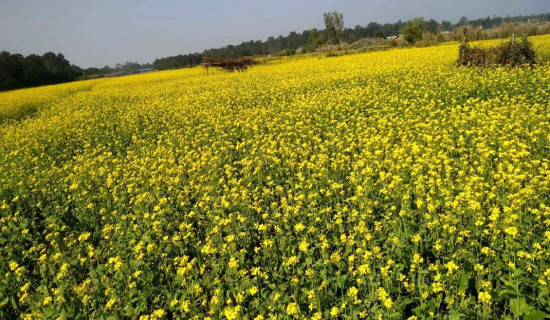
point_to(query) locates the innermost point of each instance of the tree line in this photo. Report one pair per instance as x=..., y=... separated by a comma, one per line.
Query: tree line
x=17, y=71
x=310, y=40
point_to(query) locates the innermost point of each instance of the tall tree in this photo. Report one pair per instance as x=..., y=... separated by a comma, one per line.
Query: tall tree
x=334, y=26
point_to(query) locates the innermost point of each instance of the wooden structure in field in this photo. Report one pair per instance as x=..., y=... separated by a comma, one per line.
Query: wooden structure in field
x=235, y=64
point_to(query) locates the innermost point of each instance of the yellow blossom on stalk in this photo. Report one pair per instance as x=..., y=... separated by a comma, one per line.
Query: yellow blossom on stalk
x=158, y=314
x=291, y=261
x=84, y=236
x=292, y=309
x=116, y=262
x=232, y=313
x=185, y=306
x=47, y=300
x=23, y=297
x=512, y=231
x=253, y=290
x=484, y=297
x=299, y=227
x=451, y=267
x=284, y=191
x=25, y=287
x=13, y=265
x=352, y=292
x=233, y=263
x=478, y=267
x=384, y=298
x=303, y=246
x=437, y=287
x=111, y=302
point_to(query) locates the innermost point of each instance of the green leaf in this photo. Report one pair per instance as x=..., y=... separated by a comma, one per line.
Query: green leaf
x=518, y=306
x=464, y=281
x=511, y=287
x=455, y=315
x=432, y=305
x=69, y=314
x=49, y=312
x=536, y=315
x=13, y=303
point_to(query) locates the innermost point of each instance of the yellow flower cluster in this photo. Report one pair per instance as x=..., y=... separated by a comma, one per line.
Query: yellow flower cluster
x=374, y=185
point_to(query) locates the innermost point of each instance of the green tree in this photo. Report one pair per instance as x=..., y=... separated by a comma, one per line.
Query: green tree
x=314, y=39
x=431, y=26
x=446, y=25
x=334, y=26
x=412, y=32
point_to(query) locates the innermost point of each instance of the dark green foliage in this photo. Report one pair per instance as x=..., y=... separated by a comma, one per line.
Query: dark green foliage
x=516, y=53
x=511, y=53
x=310, y=40
x=314, y=40
x=288, y=52
x=445, y=25
x=412, y=32
x=179, y=61
x=334, y=26
x=17, y=71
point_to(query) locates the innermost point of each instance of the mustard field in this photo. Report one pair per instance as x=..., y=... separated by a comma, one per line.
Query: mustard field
x=383, y=185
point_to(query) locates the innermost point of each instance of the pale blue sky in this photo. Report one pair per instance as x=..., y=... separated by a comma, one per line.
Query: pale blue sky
x=104, y=32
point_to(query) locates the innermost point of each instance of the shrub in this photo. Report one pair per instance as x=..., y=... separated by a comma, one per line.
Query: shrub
x=288, y=52
x=511, y=53
x=412, y=32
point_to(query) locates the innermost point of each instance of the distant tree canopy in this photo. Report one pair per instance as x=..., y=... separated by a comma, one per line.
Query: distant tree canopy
x=17, y=71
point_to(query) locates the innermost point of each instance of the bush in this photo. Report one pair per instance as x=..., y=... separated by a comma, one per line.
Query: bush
x=288, y=52
x=412, y=32
x=511, y=53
